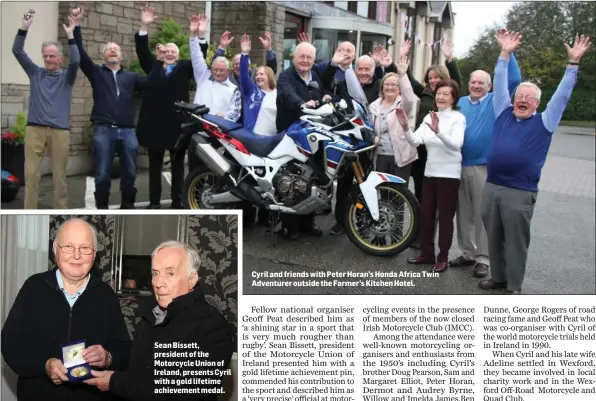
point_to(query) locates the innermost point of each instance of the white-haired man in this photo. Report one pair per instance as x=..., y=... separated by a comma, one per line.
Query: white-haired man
x=214, y=88
x=518, y=151
x=48, y=119
x=159, y=124
x=178, y=314
x=297, y=86
x=480, y=121
x=69, y=303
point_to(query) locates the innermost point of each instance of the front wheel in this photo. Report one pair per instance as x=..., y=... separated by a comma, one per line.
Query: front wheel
x=396, y=228
x=198, y=185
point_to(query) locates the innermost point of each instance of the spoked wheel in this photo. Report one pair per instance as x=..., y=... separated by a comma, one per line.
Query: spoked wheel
x=198, y=186
x=396, y=228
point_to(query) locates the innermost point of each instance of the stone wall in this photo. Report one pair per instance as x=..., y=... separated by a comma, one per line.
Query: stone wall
x=103, y=22
x=252, y=18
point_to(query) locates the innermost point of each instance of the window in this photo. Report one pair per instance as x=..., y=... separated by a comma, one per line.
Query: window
x=294, y=26
x=368, y=41
x=436, y=50
x=353, y=6
x=135, y=238
x=372, y=10
x=327, y=40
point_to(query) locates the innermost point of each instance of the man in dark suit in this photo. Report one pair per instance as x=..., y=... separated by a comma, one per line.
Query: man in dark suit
x=296, y=88
x=159, y=124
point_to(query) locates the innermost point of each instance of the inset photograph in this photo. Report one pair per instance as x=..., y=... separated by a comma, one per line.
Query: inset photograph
x=117, y=293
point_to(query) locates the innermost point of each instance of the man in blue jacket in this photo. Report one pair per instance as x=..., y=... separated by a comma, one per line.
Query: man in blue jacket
x=518, y=151
x=480, y=121
x=113, y=118
x=295, y=88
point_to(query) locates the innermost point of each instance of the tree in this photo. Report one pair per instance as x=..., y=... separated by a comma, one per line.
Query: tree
x=542, y=57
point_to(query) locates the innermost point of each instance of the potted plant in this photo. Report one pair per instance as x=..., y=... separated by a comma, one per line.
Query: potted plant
x=13, y=148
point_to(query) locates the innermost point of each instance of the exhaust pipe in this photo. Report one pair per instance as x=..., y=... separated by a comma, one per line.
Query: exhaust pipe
x=220, y=166
x=212, y=159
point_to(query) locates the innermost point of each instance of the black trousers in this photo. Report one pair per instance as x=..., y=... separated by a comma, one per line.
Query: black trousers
x=344, y=184
x=297, y=223
x=417, y=173
x=155, y=169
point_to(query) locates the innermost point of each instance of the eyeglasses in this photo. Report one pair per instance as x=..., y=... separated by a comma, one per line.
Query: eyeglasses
x=525, y=97
x=391, y=85
x=69, y=249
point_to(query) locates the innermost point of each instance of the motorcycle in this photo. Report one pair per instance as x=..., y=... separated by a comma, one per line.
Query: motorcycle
x=293, y=172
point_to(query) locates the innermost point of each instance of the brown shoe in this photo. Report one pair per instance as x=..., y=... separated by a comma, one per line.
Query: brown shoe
x=460, y=261
x=439, y=267
x=491, y=285
x=480, y=270
x=420, y=260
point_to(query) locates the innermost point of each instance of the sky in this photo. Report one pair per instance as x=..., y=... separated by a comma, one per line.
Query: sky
x=471, y=20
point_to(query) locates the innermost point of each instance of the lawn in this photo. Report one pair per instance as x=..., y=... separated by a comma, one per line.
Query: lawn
x=586, y=124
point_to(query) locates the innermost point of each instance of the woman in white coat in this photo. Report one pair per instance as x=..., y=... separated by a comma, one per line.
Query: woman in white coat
x=443, y=134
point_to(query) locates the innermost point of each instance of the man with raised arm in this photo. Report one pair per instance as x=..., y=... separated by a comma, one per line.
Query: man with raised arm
x=48, y=119
x=214, y=88
x=113, y=118
x=159, y=125
x=225, y=40
x=480, y=122
x=518, y=151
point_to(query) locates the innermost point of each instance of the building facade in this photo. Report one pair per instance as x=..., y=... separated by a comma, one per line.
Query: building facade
x=364, y=23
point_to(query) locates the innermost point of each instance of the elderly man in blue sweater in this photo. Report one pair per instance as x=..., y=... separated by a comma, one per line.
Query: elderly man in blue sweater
x=480, y=121
x=517, y=154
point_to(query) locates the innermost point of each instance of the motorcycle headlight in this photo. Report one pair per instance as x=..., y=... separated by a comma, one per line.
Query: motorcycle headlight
x=367, y=134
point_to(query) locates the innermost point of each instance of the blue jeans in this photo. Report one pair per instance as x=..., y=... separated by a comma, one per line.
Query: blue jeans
x=106, y=141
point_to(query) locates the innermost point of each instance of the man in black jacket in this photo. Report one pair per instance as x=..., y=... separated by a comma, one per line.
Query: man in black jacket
x=113, y=118
x=159, y=124
x=60, y=306
x=179, y=332
x=294, y=89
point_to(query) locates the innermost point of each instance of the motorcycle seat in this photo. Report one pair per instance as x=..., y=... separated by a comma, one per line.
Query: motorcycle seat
x=259, y=145
x=223, y=124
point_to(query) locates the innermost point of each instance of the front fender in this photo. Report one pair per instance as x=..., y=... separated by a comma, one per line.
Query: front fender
x=369, y=190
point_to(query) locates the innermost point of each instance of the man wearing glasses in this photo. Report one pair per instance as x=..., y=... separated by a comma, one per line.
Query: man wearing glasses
x=521, y=139
x=66, y=304
x=48, y=119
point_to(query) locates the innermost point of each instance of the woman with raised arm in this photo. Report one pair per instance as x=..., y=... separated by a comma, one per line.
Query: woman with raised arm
x=426, y=93
x=394, y=154
x=259, y=95
x=443, y=135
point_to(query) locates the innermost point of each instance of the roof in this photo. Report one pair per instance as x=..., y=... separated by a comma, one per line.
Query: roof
x=436, y=7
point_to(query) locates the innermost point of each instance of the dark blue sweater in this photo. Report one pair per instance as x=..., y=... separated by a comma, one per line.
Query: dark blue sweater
x=109, y=107
x=519, y=147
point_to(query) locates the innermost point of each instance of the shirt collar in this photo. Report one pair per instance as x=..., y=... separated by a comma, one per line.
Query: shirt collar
x=61, y=283
x=308, y=79
x=482, y=99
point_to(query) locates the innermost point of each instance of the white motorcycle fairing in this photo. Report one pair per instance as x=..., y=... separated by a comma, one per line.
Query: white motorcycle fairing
x=369, y=190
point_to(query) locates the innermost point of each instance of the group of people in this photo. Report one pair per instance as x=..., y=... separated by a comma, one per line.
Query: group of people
x=71, y=303
x=469, y=156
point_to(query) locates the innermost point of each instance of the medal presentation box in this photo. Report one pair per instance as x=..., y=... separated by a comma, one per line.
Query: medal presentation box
x=72, y=357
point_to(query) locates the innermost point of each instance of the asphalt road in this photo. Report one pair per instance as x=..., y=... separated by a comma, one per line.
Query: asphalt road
x=561, y=258
x=562, y=251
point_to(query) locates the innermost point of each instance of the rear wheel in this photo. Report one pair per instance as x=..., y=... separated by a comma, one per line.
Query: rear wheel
x=396, y=228
x=198, y=186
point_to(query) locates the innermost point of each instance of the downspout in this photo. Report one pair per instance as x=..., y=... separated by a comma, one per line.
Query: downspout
x=208, y=15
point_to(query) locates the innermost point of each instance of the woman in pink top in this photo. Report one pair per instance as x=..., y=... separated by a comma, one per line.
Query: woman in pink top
x=393, y=154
